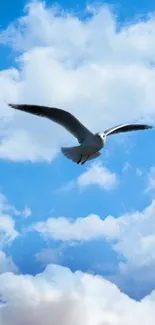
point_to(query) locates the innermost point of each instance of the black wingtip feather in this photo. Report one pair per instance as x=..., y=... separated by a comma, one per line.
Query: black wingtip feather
x=13, y=105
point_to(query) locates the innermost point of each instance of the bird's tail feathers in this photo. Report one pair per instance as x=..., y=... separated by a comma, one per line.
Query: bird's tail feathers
x=95, y=155
x=72, y=153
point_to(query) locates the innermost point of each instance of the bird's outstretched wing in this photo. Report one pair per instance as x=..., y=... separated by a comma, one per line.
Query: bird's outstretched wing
x=127, y=128
x=60, y=116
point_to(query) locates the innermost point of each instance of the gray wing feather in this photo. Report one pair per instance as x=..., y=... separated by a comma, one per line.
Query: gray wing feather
x=127, y=128
x=60, y=116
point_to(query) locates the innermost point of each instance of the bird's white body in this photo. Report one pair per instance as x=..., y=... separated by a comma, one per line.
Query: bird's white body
x=88, y=150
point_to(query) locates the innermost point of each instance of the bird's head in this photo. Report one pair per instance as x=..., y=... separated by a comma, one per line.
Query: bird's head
x=102, y=136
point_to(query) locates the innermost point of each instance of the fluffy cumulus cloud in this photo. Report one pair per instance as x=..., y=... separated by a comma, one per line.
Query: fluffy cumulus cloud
x=58, y=296
x=131, y=236
x=75, y=64
x=97, y=175
x=87, y=228
x=136, y=238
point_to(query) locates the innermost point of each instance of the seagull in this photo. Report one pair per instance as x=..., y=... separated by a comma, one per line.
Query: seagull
x=90, y=144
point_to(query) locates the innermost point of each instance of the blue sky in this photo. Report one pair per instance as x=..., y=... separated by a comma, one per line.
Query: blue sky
x=96, y=218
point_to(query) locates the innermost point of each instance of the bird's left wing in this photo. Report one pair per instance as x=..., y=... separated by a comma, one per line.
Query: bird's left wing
x=60, y=116
x=127, y=128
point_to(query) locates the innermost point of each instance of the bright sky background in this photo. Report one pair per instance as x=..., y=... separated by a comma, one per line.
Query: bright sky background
x=77, y=243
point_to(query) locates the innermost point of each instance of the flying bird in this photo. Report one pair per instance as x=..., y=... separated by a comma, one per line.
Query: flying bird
x=90, y=144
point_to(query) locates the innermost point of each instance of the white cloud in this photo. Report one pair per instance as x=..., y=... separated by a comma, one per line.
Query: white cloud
x=87, y=228
x=131, y=236
x=86, y=67
x=133, y=233
x=7, y=225
x=8, y=230
x=136, y=238
x=26, y=212
x=99, y=175
x=58, y=296
x=8, y=233
x=5, y=206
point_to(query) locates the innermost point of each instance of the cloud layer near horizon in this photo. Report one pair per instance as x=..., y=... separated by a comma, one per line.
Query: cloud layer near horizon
x=131, y=237
x=58, y=296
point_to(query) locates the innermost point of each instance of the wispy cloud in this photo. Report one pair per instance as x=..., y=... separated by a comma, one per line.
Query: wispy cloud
x=8, y=231
x=50, y=256
x=151, y=180
x=7, y=225
x=26, y=212
x=7, y=264
x=139, y=172
x=126, y=167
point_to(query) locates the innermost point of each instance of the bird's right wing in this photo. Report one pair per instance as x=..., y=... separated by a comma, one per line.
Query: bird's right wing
x=60, y=116
x=127, y=128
